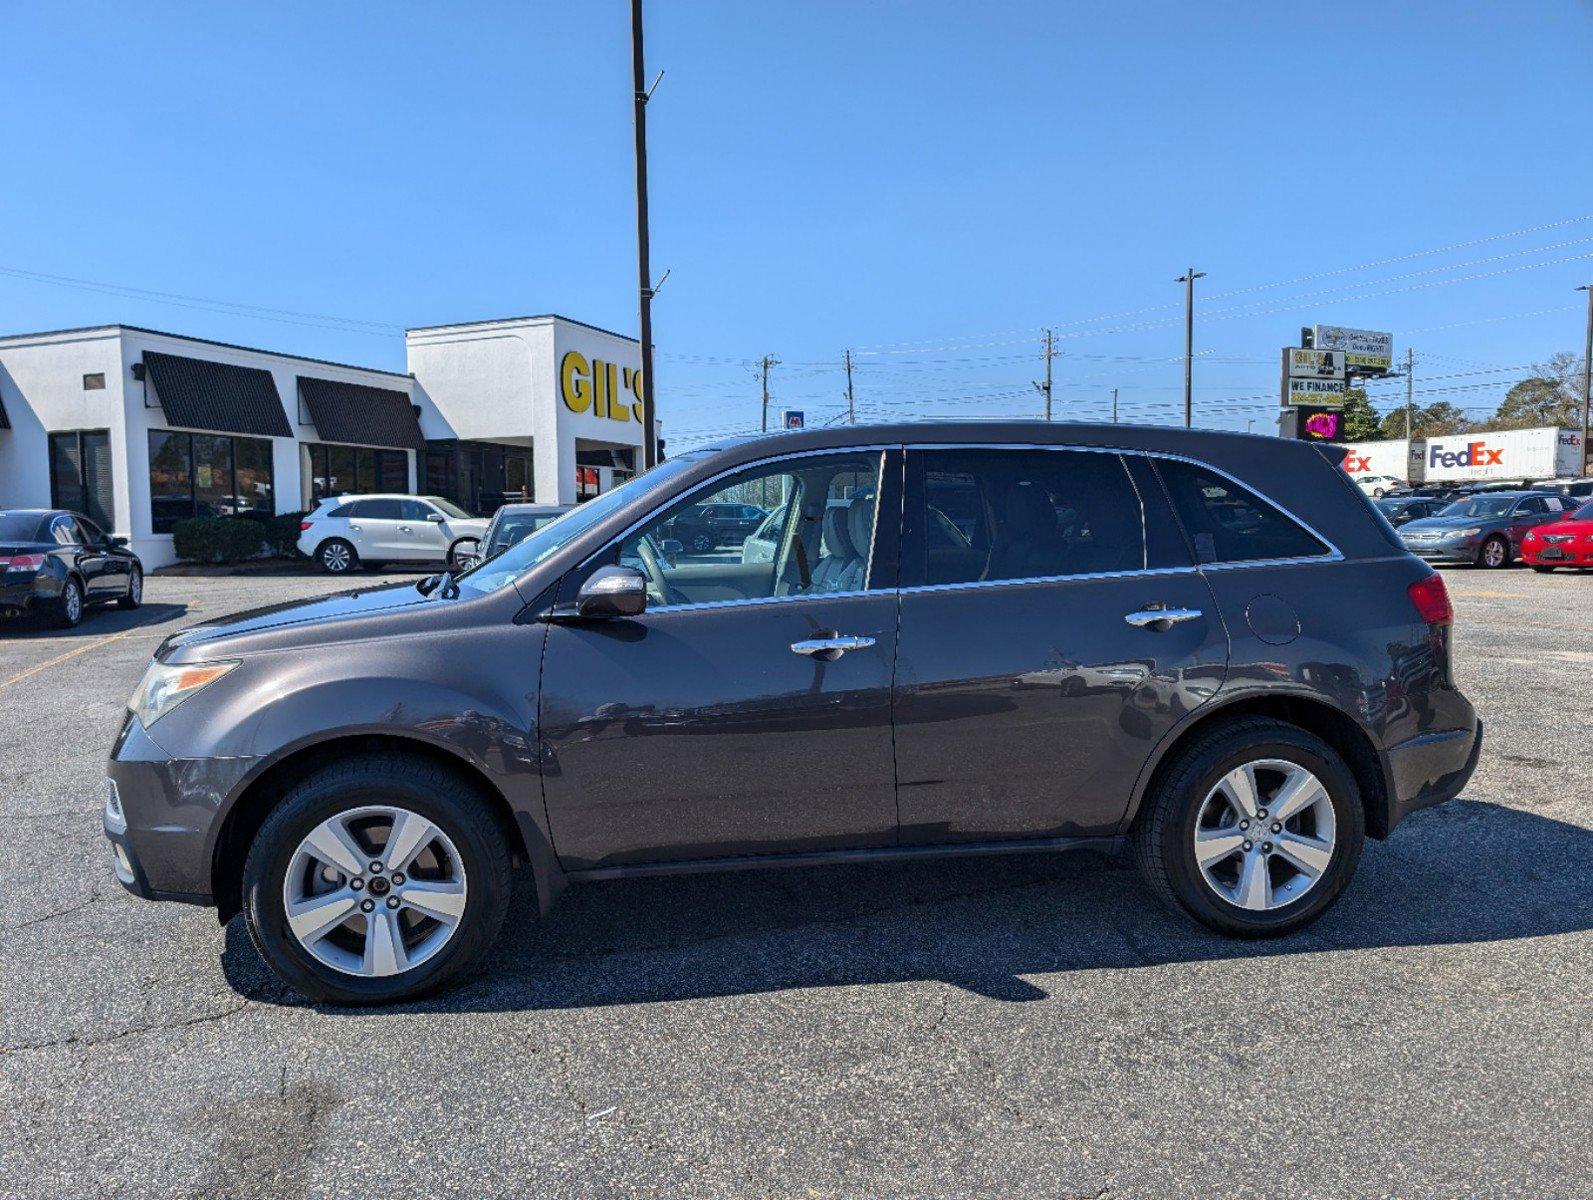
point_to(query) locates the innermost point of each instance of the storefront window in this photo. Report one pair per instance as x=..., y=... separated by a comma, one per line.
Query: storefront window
x=586, y=485
x=207, y=475
x=351, y=470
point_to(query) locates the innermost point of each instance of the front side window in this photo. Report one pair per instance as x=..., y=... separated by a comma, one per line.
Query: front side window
x=993, y=515
x=414, y=510
x=1227, y=522
x=821, y=544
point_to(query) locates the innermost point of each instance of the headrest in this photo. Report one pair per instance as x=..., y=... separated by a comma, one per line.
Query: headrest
x=1029, y=510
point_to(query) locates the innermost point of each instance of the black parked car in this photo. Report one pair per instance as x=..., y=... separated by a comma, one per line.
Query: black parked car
x=56, y=562
x=1402, y=509
x=705, y=527
x=969, y=638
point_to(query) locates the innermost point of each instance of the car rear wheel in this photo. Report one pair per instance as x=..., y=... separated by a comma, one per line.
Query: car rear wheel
x=1253, y=830
x=376, y=880
x=1495, y=553
x=702, y=543
x=337, y=557
x=135, y=590
x=69, y=606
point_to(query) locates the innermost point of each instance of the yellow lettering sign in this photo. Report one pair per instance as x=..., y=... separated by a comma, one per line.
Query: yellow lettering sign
x=599, y=386
x=574, y=378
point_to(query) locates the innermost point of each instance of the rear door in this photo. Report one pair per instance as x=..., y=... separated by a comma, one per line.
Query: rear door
x=374, y=528
x=90, y=560
x=1034, y=674
x=730, y=718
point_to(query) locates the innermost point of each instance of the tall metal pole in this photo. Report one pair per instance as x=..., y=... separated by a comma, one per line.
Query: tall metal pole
x=1114, y=406
x=1188, y=280
x=1410, y=394
x=767, y=361
x=851, y=411
x=1587, y=372
x=644, y=274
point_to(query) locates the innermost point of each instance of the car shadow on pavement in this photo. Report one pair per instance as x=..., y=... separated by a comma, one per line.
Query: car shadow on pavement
x=1466, y=872
x=98, y=621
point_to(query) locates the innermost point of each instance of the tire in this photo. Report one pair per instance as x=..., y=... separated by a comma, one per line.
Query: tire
x=1379, y=493
x=1164, y=836
x=391, y=780
x=1494, y=553
x=135, y=590
x=68, y=611
x=337, y=557
x=701, y=543
x=453, y=551
x=1542, y=570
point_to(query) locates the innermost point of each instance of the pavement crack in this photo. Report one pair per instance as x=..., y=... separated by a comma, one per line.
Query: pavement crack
x=146, y=1027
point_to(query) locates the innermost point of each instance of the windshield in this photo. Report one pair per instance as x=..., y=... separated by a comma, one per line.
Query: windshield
x=1390, y=507
x=1585, y=513
x=19, y=527
x=512, y=530
x=515, y=561
x=448, y=507
x=1480, y=506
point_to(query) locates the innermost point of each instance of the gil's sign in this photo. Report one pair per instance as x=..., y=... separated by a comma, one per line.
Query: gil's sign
x=1363, y=349
x=604, y=388
x=1313, y=364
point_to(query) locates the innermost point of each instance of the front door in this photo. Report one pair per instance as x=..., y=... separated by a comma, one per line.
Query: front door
x=420, y=527
x=748, y=710
x=1034, y=676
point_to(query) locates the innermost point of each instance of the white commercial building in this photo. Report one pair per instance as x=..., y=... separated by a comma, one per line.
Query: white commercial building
x=139, y=429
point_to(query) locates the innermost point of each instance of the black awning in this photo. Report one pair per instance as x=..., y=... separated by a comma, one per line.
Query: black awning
x=199, y=394
x=360, y=414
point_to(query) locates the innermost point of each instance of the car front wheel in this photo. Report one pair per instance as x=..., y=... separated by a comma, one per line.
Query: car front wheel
x=378, y=879
x=134, y=595
x=1495, y=553
x=701, y=543
x=1253, y=830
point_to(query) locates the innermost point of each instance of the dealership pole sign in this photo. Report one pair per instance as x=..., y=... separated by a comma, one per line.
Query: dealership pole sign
x=1365, y=351
x=1315, y=377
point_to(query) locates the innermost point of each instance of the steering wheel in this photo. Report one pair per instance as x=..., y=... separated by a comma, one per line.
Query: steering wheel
x=658, y=589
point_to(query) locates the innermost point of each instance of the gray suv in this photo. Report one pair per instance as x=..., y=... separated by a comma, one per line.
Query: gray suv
x=965, y=639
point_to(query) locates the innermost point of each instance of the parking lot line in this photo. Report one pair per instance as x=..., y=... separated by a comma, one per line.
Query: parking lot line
x=76, y=650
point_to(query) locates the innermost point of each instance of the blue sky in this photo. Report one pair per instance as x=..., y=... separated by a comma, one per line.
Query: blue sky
x=928, y=183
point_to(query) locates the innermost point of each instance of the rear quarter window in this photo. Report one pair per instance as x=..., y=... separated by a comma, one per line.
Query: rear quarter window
x=1228, y=523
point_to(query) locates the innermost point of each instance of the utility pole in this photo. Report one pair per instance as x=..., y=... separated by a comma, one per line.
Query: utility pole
x=644, y=274
x=767, y=361
x=1045, y=388
x=1410, y=393
x=1114, y=406
x=851, y=410
x=1188, y=280
x=1587, y=371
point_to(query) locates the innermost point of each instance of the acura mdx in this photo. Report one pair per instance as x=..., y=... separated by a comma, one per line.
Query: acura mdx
x=964, y=639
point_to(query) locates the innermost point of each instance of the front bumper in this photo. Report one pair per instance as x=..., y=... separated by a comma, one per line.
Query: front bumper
x=1573, y=554
x=164, y=839
x=1431, y=768
x=1464, y=551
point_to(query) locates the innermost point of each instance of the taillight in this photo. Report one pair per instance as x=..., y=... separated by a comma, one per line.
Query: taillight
x=23, y=562
x=303, y=525
x=1431, y=599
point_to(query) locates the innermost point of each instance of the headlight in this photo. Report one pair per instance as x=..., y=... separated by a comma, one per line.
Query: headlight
x=164, y=687
x=1472, y=532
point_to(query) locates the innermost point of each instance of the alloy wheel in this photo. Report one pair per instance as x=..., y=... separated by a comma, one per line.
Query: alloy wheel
x=1493, y=553
x=335, y=557
x=375, y=891
x=702, y=543
x=1265, y=834
x=72, y=602
x=135, y=586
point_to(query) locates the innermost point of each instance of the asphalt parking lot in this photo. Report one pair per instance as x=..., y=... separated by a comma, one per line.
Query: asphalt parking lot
x=1018, y=1026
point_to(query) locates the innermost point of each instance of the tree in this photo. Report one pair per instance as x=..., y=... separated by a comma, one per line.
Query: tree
x=1360, y=418
x=1435, y=420
x=1552, y=395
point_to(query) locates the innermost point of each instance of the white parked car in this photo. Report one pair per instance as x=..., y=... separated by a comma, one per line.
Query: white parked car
x=346, y=532
x=1378, y=486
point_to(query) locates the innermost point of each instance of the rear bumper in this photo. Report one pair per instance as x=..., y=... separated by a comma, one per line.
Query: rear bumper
x=1430, y=769
x=25, y=590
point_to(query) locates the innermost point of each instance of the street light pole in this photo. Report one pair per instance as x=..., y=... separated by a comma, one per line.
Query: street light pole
x=1188, y=280
x=644, y=274
x=1587, y=371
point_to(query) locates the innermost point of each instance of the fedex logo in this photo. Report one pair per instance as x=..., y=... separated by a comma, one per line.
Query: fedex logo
x=1476, y=454
x=1357, y=462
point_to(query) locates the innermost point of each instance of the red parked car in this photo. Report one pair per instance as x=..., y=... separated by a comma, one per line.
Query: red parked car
x=1567, y=542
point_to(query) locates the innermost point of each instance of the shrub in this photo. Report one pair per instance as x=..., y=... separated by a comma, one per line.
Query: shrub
x=235, y=539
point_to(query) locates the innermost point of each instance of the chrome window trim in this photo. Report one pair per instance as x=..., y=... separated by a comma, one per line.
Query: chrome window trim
x=879, y=448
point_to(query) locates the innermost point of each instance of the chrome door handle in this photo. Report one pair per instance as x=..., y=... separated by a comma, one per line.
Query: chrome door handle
x=830, y=648
x=1163, y=617
x=405, y=529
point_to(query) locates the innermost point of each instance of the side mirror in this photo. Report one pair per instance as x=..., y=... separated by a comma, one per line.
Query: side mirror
x=118, y=542
x=612, y=592
x=435, y=518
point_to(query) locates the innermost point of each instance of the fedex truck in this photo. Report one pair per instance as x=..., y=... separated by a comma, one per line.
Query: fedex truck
x=1402, y=459
x=1545, y=453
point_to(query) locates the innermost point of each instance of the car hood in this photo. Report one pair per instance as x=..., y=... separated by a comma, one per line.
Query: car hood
x=1440, y=524
x=1562, y=527
x=313, y=617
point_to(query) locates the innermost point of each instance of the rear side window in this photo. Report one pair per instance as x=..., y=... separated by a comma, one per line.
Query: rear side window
x=983, y=516
x=341, y=513
x=1229, y=523
x=378, y=510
